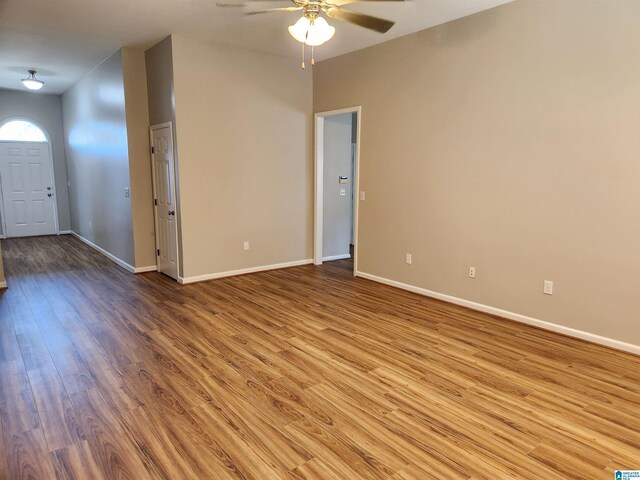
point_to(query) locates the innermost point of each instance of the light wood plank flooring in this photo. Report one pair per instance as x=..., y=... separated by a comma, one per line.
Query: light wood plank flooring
x=304, y=373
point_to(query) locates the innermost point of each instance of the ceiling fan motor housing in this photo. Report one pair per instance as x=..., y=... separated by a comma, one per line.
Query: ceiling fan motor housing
x=311, y=10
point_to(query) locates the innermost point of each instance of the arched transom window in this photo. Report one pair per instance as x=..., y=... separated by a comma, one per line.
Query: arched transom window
x=21, y=131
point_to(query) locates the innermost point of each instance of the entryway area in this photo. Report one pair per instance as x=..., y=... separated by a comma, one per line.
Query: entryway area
x=336, y=212
x=28, y=200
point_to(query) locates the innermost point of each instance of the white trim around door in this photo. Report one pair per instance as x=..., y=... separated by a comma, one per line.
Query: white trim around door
x=53, y=175
x=319, y=183
x=165, y=199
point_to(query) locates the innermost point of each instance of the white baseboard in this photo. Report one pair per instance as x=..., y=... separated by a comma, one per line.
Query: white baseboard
x=336, y=257
x=3, y=285
x=61, y=232
x=150, y=268
x=110, y=256
x=231, y=273
x=554, y=327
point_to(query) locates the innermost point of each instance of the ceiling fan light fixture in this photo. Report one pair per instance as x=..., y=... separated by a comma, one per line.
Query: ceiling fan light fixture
x=319, y=32
x=31, y=82
x=313, y=30
x=312, y=33
x=299, y=29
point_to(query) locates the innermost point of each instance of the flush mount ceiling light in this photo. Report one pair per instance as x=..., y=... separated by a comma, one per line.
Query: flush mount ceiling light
x=313, y=30
x=32, y=83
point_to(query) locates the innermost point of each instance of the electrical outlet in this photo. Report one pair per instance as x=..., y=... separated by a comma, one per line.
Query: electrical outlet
x=408, y=259
x=548, y=287
x=362, y=196
x=246, y=245
x=90, y=226
x=127, y=193
x=472, y=272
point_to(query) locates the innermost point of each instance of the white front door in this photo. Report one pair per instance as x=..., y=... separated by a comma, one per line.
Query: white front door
x=28, y=193
x=165, y=200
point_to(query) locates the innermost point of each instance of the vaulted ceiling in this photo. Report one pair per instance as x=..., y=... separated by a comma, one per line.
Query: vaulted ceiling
x=64, y=39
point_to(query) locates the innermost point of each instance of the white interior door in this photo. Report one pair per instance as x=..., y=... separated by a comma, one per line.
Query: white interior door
x=27, y=189
x=165, y=200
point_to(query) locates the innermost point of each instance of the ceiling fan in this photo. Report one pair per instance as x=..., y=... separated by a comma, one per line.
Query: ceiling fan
x=312, y=29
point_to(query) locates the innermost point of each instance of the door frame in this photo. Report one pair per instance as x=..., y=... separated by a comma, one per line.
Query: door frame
x=53, y=175
x=318, y=211
x=152, y=128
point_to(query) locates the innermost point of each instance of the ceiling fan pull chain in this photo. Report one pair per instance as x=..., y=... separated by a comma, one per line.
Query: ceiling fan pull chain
x=313, y=60
x=302, y=55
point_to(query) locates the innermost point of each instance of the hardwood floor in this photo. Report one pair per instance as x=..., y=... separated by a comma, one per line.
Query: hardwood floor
x=304, y=373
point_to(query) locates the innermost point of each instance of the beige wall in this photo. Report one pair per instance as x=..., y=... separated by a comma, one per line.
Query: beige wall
x=46, y=111
x=243, y=128
x=137, y=117
x=507, y=140
x=159, y=66
x=105, y=151
x=336, y=224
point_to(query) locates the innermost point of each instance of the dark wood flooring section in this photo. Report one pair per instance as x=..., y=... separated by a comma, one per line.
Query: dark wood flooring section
x=304, y=373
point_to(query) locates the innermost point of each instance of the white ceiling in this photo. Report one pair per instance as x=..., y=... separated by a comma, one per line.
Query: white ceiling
x=64, y=39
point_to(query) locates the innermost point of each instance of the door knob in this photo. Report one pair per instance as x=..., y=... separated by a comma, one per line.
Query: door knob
x=48, y=188
x=171, y=212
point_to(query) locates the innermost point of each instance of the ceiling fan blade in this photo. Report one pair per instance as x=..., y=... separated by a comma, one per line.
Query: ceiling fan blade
x=367, y=21
x=283, y=9
x=340, y=3
x=245, y=4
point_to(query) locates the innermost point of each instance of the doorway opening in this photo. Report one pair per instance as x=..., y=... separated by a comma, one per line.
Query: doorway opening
x=337, y=161
x=27, y=183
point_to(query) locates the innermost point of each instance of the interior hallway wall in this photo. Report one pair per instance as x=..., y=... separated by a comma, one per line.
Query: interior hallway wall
x=137, y=117
x=159, y=67
x=244, y=133
x=98, y=160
